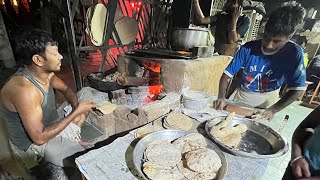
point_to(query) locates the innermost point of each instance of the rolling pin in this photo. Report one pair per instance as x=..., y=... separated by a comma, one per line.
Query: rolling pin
x=244, y=111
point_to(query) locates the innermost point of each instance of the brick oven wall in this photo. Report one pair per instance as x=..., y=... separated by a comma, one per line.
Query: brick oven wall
x=176, y=74
x=202, y=74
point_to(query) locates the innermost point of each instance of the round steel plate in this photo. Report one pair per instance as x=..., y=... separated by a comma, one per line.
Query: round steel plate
x=170, y=135
x=259, y=141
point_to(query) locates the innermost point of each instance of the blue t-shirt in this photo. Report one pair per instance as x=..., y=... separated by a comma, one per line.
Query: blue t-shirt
x=265, y=73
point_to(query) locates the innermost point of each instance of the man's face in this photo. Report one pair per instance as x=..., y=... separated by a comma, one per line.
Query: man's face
x=52, y=59
x=272, y=44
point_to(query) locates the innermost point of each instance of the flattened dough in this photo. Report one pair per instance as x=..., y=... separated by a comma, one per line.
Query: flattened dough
x=146, y=130
x=163, y=153
x=154, y=171
x=179, y=121
x=203, y=160
x=190, y=142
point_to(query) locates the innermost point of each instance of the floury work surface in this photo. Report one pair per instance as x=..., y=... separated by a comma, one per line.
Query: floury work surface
x=118, y=161
x=239, y=168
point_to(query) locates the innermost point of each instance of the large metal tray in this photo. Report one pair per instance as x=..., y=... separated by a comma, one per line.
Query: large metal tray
x=259, y=141
x=170, y=135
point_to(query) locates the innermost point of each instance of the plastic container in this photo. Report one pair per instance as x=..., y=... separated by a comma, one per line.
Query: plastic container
x=195, y=100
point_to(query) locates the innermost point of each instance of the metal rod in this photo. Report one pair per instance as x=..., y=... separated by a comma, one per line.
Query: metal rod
x=72, y=46
x=74, y=9
x=112, y=11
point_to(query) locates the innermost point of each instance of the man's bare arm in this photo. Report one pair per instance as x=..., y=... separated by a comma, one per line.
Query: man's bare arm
x=199, y=14
x=28, y=105
x=286, y=100
x=223, y=84
x=233, y=36
x=67, y=92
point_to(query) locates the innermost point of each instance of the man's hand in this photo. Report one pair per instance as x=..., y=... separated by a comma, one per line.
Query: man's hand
x=219, y=104
x=80, y=119
x=300, y=168
x=84, y=107
x=237, y=12
x=266, y=114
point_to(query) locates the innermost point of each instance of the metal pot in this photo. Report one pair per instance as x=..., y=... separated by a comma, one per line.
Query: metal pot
x=186, y=38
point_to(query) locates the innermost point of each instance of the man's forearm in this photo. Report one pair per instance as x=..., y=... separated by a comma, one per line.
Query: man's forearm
x=71, y=98
x=286, y=100
x=198, y=10
x=296, y=150
x=223, y=85
x=199, y=14
x=54, y=129
x=233, y=36
x=297, y=143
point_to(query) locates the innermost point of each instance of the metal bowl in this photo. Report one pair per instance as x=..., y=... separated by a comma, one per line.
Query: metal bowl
x=187, y=38
x=259, y=141
x=170, y=135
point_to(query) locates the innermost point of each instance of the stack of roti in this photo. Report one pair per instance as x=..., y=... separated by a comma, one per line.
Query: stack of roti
x=199, y=164
x=162, y=159
x=177, y=120
x=229, y=135
x=185, y=158
x=146, y=130
x=190, y=142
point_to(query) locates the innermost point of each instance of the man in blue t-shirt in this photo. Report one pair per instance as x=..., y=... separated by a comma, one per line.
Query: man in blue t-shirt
x=267, y=63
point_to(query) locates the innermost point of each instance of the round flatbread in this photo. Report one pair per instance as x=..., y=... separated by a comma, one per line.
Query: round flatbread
x=190, y=142
x=205, y=176
x=179, y=121
x=187, y=173
x=163, y=153
x=146, y=130
x=203, y=160
x=192, y=175
x=154, y=171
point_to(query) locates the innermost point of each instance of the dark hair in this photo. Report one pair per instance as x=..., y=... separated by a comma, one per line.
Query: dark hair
x=31, y=43
x=284, y=20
